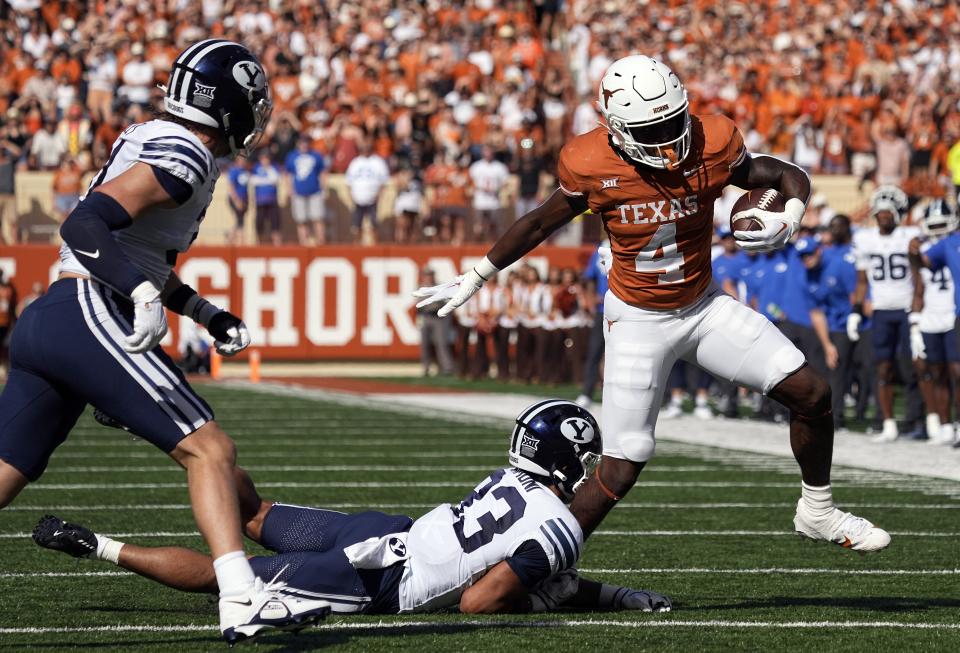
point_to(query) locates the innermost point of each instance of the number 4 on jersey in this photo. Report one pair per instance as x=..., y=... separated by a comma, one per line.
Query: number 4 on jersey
x=661, y=256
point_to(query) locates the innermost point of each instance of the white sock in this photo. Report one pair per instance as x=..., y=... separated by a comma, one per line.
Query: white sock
x=107, y=550
x=676, y=400
x=234, y=575
x=701, y=400
x=818, y=500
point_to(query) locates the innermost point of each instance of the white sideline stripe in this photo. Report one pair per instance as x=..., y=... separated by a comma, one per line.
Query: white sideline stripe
x=779, y=570
x=640, y=570
x=393, y=506
x=375, y=484
x=654, y=533
x=500, y=623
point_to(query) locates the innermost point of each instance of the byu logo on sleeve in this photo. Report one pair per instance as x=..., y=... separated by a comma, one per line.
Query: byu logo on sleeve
x=577, y=429
x=249, y=75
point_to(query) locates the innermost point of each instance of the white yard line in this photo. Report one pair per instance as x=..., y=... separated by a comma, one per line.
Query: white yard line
x=379, y=484
x=650, y=533
x=494, y=622
x=99, y=469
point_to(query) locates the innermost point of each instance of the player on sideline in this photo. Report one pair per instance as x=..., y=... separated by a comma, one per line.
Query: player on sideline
x=882, y=251
x=652, y=175
x=509, y=546
x=93, y=338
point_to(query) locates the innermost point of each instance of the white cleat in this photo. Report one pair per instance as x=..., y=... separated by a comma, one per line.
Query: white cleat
x=944, y=437
x=672, y=411
x=889, y=433
x=703, y=412
x=849, y=531
x=265, y=606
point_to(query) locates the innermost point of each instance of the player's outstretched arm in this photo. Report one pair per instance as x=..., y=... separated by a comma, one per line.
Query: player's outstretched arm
x=522, y=236
x=594, y=595
x=230, y=333
x=499, y=590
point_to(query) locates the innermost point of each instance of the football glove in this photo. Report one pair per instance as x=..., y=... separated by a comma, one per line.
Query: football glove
x=554, y=591
x=777, y=230
x=645, y=601
x=149, y=319
x=229, y=332
x=918, y=348
x=853, y=326
x=456, y=293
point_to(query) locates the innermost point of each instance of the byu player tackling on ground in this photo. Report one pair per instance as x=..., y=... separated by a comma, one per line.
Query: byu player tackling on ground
x=883, y=266
x=509, y=546
x=93, y=338
x=651, y=174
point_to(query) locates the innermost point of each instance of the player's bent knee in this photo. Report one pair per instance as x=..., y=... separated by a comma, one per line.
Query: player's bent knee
x=208, y=443
x=637, y=446
x=12, y=482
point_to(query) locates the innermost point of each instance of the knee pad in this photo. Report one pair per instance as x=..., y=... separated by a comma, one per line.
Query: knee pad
x=637, y=446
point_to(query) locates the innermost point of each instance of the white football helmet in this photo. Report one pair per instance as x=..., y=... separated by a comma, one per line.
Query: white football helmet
x=889, y=198
x=938, y=219
x=646, y=110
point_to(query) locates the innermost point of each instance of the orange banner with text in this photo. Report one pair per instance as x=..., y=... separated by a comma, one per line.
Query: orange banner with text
x=308, y=303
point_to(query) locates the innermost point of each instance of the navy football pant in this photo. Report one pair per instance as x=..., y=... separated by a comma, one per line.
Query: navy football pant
x=65, y=353
x=310, y=543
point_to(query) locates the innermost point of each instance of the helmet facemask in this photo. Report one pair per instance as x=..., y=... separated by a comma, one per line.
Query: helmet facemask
x=663, y=144
x=938, y=220
x=261, y=108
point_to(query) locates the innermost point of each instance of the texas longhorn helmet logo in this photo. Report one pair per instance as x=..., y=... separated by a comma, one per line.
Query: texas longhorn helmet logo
x=607, y=95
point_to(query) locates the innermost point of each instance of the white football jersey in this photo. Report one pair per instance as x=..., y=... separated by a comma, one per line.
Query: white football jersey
x=451, y=547
x=155, y=238
x=939, y=312
x=886, y=263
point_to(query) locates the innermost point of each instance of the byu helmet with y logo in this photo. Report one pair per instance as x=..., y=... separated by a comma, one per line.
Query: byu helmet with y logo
x=888, y=197
x=221, y=84
x=938, y=219
x=645, y=107
x=558, y=442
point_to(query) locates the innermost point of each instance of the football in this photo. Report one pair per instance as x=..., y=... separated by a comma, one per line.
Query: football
x=766, y=199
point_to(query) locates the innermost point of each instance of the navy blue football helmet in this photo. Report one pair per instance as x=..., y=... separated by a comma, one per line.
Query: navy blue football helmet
x=558, y=442
x=938, y=219
x=221, y=84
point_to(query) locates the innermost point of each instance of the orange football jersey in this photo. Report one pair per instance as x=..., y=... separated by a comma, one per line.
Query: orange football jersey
x=660, y=222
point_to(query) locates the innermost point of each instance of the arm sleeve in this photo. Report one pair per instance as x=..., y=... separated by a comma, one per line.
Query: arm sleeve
x=560, y=541
x=735, y=151
x=530, y=563
x=177, y=188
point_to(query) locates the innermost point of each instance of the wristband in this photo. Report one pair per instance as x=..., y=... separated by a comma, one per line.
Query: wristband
x=187, y=302
x=794, y=209
x=913, y=318
x=485, y=269
x=858, y=309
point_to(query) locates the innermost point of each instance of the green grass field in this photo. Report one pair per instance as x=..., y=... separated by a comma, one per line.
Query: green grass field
x=710, y=528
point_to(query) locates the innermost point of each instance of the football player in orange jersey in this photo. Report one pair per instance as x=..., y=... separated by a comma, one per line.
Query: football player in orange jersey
x=652, y=173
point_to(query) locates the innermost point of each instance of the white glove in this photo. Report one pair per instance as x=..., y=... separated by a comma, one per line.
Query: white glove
x=645, y=601
x=230, y=333
x=554, y=591
x=853, y=326
x=918, y=349
x=778, y=228
x=605, y=259
x=149, y=320
x=456, y=293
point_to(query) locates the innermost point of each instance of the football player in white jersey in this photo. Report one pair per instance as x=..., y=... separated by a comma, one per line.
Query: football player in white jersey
x=94, y=337
x=883, y=267
x=934, y=301
x=510, y=546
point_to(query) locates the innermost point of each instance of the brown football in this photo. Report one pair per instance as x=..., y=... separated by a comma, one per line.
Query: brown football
x=766, y=199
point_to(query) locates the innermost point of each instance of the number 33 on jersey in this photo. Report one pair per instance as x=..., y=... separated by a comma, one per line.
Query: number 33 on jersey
x=660, y=222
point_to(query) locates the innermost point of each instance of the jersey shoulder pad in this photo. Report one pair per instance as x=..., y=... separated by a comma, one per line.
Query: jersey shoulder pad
x=175, y=149
x=584, y=158
x=722, y=140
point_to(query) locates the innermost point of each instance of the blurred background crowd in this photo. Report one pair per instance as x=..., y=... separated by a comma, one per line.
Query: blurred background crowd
x=429, y=121
x=460, y=107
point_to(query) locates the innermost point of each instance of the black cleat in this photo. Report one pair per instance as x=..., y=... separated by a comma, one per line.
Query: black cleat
x=54, y=533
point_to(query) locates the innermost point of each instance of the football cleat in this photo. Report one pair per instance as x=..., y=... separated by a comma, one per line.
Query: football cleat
x=672, y=411
x=703, y=412
x=944, y=437
x=849, y=531
x=53, y=533
x=889, y=433
x=265, y=606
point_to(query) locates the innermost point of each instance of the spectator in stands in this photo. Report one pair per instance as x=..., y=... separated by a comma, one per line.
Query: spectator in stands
x=47, y=147
x=529, y=168
x=434, y=333
x=953, y=165
x=9, y=153
x=238, y=196
x=366, y=176
x=893, y=151
x=67, y=187
x=265, y=177
x=489, y=177
x=101, y=66
x=137, y=77
x=306, y=167
x=36, y=292
x=407, y=208
x=506, y=334
x=447, y=186
x=595, y=277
